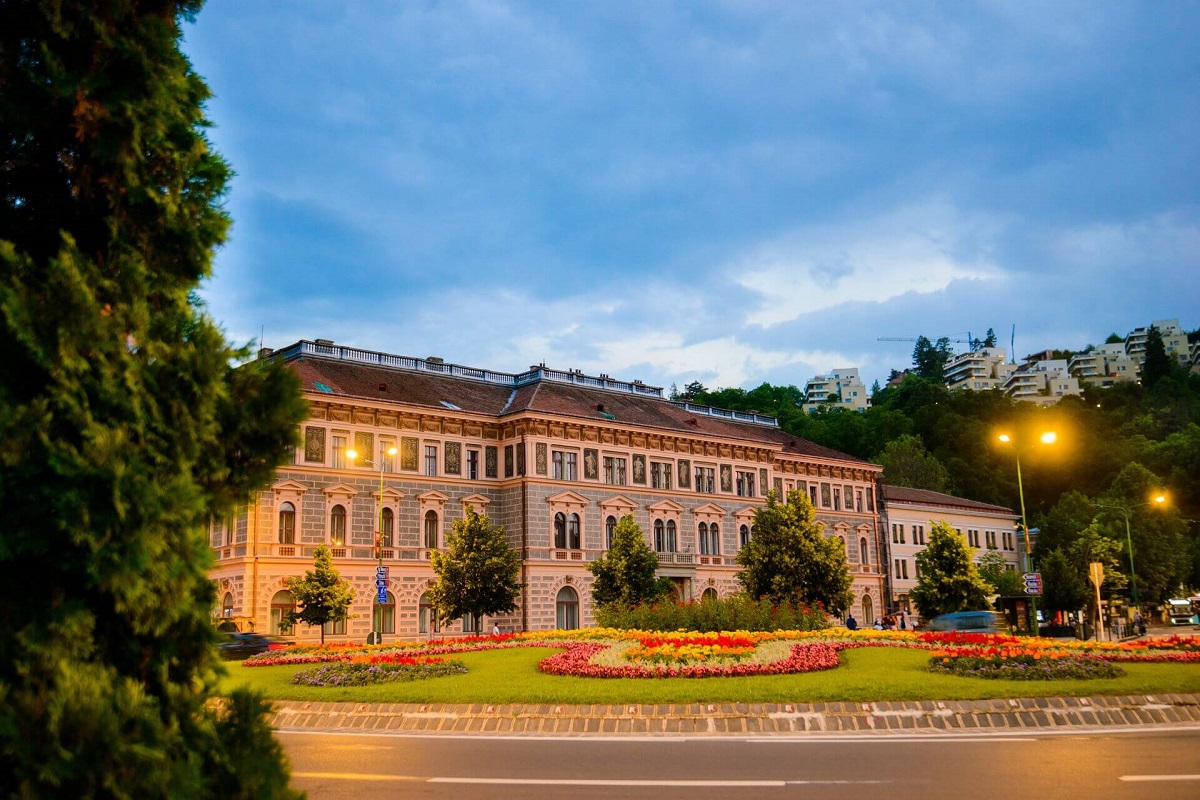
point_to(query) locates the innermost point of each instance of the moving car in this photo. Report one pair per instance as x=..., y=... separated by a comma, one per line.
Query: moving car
x=239, y=646
x=966, y=622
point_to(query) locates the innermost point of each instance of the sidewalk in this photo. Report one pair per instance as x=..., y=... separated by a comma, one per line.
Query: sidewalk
x=880, y=718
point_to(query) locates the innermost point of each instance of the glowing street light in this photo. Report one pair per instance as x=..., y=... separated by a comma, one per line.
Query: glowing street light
x=1047, y=438
x=377, y=635
x=1157, y=500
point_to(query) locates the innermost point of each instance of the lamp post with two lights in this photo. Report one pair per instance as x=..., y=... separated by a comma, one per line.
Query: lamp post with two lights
x=1046, y=438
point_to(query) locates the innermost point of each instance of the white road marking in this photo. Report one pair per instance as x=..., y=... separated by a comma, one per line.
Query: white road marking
x=356, y=776
x=1137, y=778
x=718, y=784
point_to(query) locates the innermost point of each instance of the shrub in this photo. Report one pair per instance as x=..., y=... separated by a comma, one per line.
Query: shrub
x=736, y=613
x=1025, y=667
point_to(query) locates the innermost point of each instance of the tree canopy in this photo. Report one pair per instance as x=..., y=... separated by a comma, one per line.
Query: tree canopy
x=789, y=558
x=948, y=580
x=906, y=463
x=626, y=573
x=321, y=595
x=478, y=573
x=126, y=427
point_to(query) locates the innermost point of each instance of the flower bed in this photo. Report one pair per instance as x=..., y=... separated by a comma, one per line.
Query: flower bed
x=1023, y=666
x=691, y=648
x=577, y=661
x=366, y=672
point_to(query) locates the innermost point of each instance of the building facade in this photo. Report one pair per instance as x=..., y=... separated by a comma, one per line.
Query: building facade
x=1041, y=381
x=1104, y=365
x=554, y=457
x=980, y=370
x=842, y=387
x=910, y=513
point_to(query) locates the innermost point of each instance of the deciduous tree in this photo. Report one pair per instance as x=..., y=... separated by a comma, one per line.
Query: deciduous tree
x=948, y=580
x=125, y=426
x=906, y=463
x=995, y=572
x=626, y=573
x=790, y=559
x=478, y=574
x=321, y=595
x=1063, y=588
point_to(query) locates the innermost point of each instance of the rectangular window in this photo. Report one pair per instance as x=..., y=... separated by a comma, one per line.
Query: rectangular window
x=918, y=534
x=337, y=628
x=660, y=474
x=388, y=461
x=431, y=459
x=706, y=480
x=339, y=451
x=871, y=501
x=904, y=566
x=812, y=494
x=565, y=465
x=614, y=470
x=472, y=465
x=897, y=568
x=745, y=484
x=895, y=534
x=837, y=499
x=858, y=497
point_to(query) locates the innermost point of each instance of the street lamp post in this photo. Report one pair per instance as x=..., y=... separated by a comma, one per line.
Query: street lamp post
x=377, y=622
x=1126, y=511
x=1049, y=437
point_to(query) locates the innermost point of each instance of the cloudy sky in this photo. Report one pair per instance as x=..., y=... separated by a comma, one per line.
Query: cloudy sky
x=731, y=192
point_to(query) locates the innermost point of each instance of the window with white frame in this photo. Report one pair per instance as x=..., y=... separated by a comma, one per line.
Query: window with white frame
x=614, y=470
x=706, y=478
x=863, y=553
x=431, y=530
x=610, y=529
x=660, y=474
x=337, y=525
x=745, y=484
x=744, y=535
x=339, y=450
x=566, y=465
x=431, y=460
x=472, y=465
x=287, y=523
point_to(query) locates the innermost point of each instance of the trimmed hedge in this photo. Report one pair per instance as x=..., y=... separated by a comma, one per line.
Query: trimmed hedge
x=736, y=613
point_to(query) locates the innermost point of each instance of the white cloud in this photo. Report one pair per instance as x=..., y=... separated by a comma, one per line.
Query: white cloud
x=918, y=249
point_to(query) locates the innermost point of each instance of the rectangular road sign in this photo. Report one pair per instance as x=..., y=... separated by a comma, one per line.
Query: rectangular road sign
x=381, y=572
x=382, y=596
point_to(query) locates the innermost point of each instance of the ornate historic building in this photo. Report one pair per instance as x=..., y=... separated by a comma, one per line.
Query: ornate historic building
x=554, y=457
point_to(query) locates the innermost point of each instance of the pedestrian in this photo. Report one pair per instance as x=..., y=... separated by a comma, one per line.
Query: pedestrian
x=851, y=623
x=1140, y=623
x=495, y=629
x=903, y=626
x=878, y=625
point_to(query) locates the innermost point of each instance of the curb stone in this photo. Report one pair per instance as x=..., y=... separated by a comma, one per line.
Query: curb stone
x=926, y=717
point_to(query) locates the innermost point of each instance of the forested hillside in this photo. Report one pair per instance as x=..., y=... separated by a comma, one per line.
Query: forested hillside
x=1115, y=447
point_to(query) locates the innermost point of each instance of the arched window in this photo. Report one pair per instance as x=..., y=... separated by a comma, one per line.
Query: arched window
x=384, y=616
x=709, y=596
x=281, y=604
x=389, y=526
x=862, y=551
x=573, y=539
x=227, y=605
x=337, y=526
x=566, y=607
x=287, y=523
x=560, y=530
x=670, y=536
x=703, y=537
x=431, y=530
x=427, y=621
x=660, y=536
x=868, y=610
x=610, y=528
x=744, y=535
x=714, y=540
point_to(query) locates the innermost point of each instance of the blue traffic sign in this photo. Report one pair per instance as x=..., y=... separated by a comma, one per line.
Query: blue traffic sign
x=1033, y=582
x=382, y=596
x=381, y=572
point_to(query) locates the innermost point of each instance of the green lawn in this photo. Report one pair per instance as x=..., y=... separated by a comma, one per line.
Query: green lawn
x=869, y=673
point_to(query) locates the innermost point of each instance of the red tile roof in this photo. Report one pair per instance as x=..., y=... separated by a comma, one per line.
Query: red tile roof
x=421, y=388
x=925, y=497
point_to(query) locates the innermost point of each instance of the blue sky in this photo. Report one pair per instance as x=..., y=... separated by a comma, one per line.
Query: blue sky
x=730, y=192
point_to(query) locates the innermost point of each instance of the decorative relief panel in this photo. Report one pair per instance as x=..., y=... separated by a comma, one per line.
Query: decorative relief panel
x=762, y=480
x=685, y=474
x=639, y=469
x=726, y=478
x=779, y=488
x=539, y=458
x=453, y=458
x=364, y=443
x=490, y=459
x=339, y=414
x=453, y=427
x=314, y=445
x=521, y=459
x=508, y=460
x=408, y=453
x=825, y=496
x=591, y=464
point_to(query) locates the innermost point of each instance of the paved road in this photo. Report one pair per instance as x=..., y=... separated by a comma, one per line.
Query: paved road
x=1097, y=764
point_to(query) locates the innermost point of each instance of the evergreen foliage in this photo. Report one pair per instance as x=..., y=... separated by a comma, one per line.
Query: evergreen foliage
x=948, y=580
x=1063, y=588
x=626, y=573
x=126, y=429
x=790, y=560
x=1157, y=364
x=929, y=359
x=478, y=573
x=321, y=595
x=906, y=463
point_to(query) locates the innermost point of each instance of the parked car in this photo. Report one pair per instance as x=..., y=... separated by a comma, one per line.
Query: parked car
x=239, y=646
x=966, y=622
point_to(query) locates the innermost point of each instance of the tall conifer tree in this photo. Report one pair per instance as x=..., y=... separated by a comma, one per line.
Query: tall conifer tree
x=125, y=427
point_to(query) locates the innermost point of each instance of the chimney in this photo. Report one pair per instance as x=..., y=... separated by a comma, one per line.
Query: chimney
x=264, y=352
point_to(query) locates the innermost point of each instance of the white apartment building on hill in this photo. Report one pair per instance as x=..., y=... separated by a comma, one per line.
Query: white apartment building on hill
x=842, y=387
x=979, y=370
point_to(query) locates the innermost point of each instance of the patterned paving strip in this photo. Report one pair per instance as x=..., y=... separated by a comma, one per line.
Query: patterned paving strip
x=879, y=718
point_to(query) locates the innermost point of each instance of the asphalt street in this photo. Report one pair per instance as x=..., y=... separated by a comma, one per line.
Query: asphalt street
x=1163, y=763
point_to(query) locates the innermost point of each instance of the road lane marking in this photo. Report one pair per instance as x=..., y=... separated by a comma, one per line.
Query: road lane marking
x=355, y=776
x=1160, y=777
x=718, y=784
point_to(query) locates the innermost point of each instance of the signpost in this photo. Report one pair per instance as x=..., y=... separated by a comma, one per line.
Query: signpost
x=1033, y=582
x=1096, y=575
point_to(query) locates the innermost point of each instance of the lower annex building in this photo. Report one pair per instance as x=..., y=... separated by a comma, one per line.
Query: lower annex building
x=554, y=457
